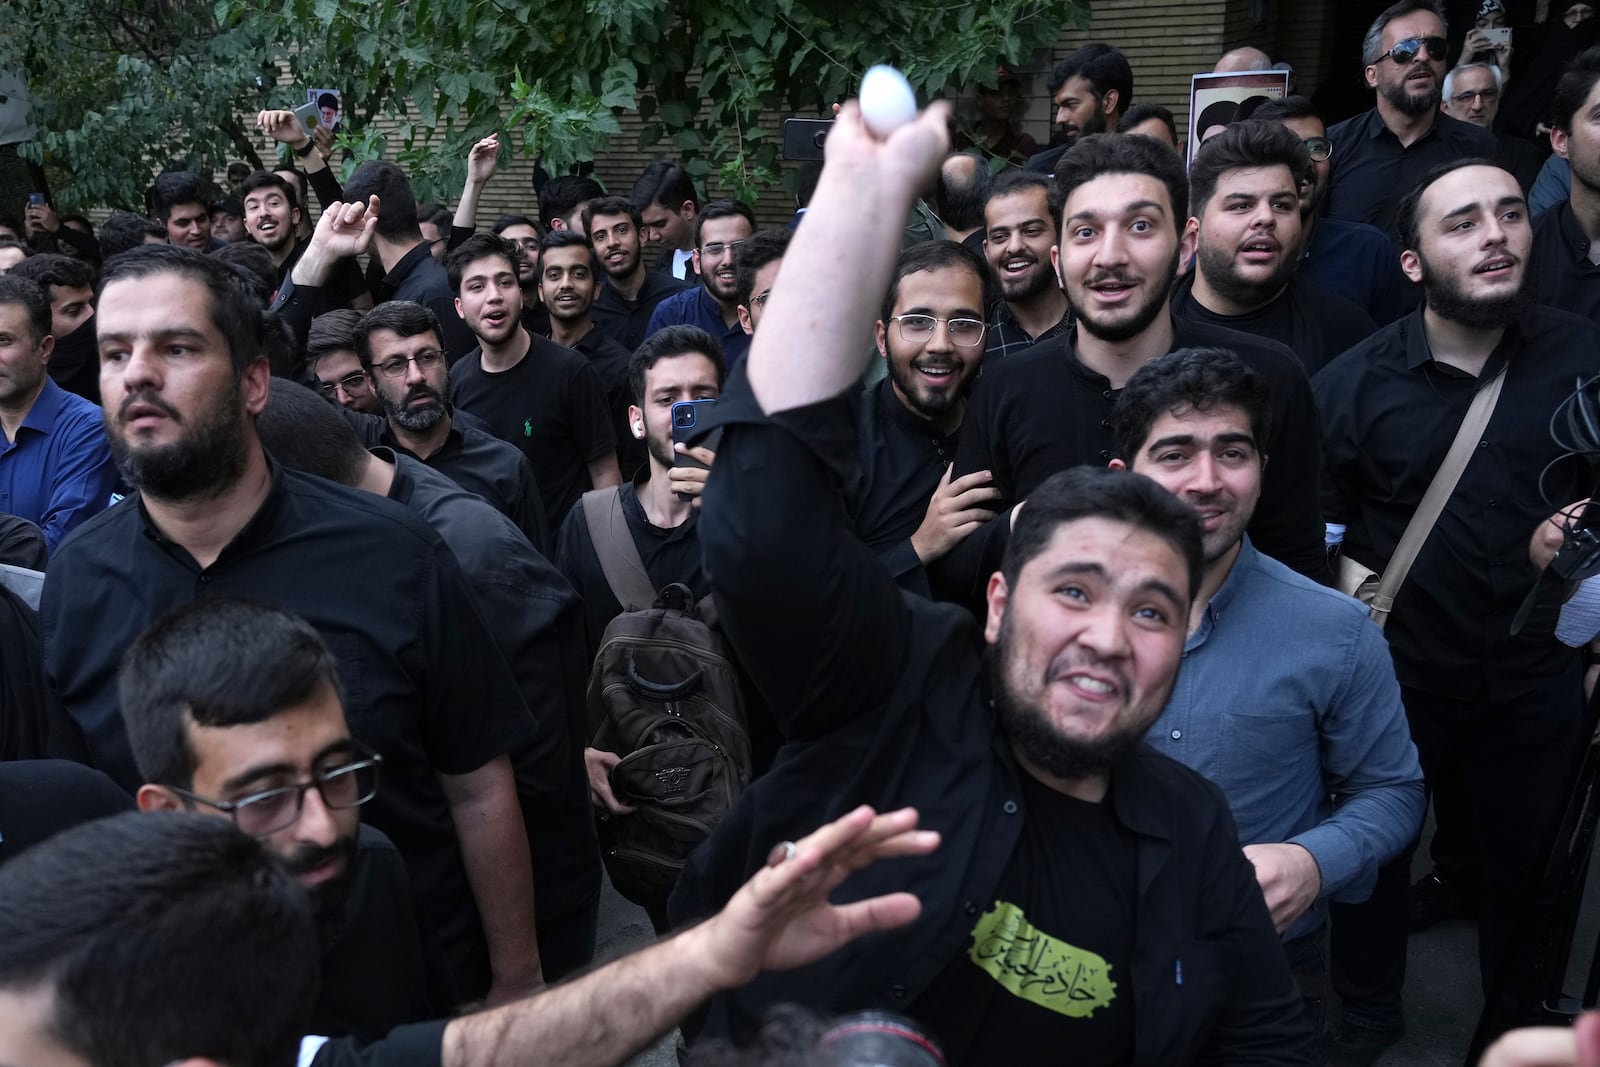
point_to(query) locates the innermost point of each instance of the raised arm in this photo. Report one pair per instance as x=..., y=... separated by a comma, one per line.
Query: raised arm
x=480, y=168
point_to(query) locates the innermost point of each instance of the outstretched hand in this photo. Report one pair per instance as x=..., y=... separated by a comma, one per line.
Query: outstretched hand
x=781, y=918
x=345, y=229
x=483, y=158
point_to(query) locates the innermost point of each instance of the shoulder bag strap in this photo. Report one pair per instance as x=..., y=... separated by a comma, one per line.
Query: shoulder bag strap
x=619, y=556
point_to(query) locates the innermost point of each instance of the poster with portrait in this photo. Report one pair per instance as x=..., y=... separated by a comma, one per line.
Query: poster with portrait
x=1215, y=100
x=327, y=102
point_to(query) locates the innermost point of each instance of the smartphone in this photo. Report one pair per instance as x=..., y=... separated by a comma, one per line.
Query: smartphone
x=1498, y=35
x=36, y=200
x=685, y=422
x=309, y=116
x=802, y=138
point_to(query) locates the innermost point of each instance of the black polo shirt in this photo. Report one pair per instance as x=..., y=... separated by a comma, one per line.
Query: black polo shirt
x=537, y=621
x=1389, y=413
x=551, y=406
x=1043, y=411
x=423, y=682
x=902, y=459
x=1563, y=277
x=627, y=321
x=1006, y=337
x=1311, y=322
x=1372, y=172
x=610, y=361
x=481, y=463
x=421, y=278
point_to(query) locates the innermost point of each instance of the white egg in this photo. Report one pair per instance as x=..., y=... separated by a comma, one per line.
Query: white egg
x=887, y=102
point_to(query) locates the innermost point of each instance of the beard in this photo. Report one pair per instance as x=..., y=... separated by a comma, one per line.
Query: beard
x=327, y=898
x=1410, y=103
x=927, y=402
x=660, y=448
x=1143, y=316
x=1019, y=290
x=1222, y=274
x=202, y=463
x=1447, y=299
x=416, y=420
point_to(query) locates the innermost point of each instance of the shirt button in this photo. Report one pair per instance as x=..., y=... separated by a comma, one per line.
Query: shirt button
x=1491, y=503
x=970, y=907
x=897, y=991
x=1105, y=422
x=205, y=579
x=1106, y=394
x=1177, y=735
x=1483, y=444
x=1104, y=454
x=1009, y=807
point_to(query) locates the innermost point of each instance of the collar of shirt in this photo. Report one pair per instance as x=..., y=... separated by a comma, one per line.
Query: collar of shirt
x=711, y=311
x=891, y=407
x=408, y=263
x=1419, y=354
x=1000, y=315
x=1572, y=234
x=258, y=530
x=452, y=439
x=41, y=418
x=1238, y=575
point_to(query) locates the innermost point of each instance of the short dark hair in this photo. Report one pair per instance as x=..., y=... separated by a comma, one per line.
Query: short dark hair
x=1114, y=153
x=19, y=289
x=1372, y=43
x=267, y=179
x=397, y=221
x=332, y=331
x=219, y=936
x=1089, y=492
x=235, y=312
x=1182, y=381
x=763, y=247
x=722, y=209
x=563, y=194
x=479, y=246
x=1102, y=66
x=306, y=433
x=254, y=265
x=610, y=206
x=1406, y=221
x=48, y=270
x=936, y=255
x=123, y=230
x=666, y=183
x=961, y=202
x=436, y=213
x=8, y=245
x=1574, y=87
x=566, y=239
x=1252, y=143
x=505, y=222
x=174, y=189
x=1287, y=108
x=215, y=661
x=406, y=318
x=302, y=180
x=1144, y=113
x=668, y=342
x=1014, y=181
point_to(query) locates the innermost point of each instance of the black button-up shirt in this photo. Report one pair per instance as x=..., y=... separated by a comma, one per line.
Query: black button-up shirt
x=1006, y=337
x=1563, y=276
x=1043, y=411
x=1311, y=322
x=421, y=278
x=1372, y=171
x=626, y=321
x=423, y=682
x=902, y=459
x=1389, y=413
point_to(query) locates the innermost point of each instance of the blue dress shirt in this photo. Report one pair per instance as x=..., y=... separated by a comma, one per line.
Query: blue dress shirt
x=696, y=307
x=1287, y=696
x=59, y=470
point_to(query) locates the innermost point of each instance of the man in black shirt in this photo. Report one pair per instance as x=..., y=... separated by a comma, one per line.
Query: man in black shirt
x=1020, y=241
x=1050, y=408
x=230, y=706
x=668, y=206
x=568, y=279
x=1380, y=155
x=632, y=290
x=1495, y=711
x=272, y=217
x=1081, y=875
x=410, y=271
x=1566, y=239
x=184, y=373
x=540, y=396
x=1091, y=89
x=906, y=508
x=1246, y=213
x=400, y=347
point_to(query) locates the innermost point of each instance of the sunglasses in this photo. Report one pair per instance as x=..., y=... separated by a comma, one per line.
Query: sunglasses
x=1405, y=51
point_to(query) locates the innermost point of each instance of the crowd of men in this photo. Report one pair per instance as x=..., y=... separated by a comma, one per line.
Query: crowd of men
x=1013, y=485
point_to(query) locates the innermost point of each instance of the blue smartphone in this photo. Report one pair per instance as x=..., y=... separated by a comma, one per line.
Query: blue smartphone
x=685, y=424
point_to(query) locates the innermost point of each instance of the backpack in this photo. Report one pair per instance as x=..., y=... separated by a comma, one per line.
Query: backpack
x=663, y=694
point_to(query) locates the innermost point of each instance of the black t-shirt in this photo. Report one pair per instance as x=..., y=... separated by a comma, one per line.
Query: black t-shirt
x=1049, y=962
x=1311, y=322
x=552, y=406
x=626, y=321
x=610, y=361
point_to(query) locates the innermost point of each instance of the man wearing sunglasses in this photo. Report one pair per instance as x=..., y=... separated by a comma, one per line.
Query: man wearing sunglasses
x=1380, y=155
x=235, y=710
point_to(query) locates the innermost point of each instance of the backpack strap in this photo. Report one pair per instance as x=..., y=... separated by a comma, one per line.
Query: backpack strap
x=619, y=556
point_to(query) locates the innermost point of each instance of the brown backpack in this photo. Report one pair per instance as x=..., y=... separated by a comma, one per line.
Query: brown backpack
x=663, y=695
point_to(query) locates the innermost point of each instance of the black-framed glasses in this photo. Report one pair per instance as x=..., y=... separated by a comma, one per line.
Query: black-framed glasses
x=425, y=360
x=1321, y=148
x=1490, y=95
x=1405, y=51
x=351, y=383
x=716, y=248
x=915, y=329
x=345, y=785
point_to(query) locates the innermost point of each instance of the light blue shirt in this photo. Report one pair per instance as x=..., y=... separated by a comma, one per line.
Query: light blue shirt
x=1287, y=696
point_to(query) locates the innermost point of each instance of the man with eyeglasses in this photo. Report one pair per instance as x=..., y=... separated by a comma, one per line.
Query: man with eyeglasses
x=332, y=361
x=1472, y=94
x=1244, y=199
x=1380, y=155
x=720, y=228
x=400, y=345
x=235, y=709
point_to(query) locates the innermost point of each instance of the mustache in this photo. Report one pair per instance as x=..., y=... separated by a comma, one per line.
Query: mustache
x=149, y=399
x=308, y=858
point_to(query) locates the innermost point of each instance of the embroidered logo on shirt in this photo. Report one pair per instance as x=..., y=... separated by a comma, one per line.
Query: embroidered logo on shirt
x=1040, y=969
x=527, y=427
